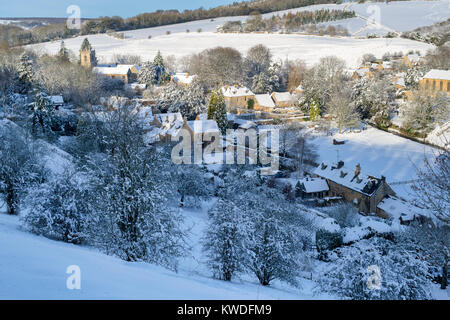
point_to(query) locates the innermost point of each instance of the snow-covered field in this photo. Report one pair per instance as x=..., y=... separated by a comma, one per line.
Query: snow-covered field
x=33, y=267
x=308, y=48
x=400, y=16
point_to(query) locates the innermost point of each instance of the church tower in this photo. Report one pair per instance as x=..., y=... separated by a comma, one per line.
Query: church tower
x=87, y=55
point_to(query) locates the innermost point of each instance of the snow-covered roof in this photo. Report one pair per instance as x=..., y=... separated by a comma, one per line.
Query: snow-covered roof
x=169, y=117
x=58, y=100
x=398, y=208
x=299, y=88
x=362, y=71
x=362, y=183
x=236, y=91
x=121, y=69
x=145, y=113
x=203, y=126
x=400, y=82
x=437, y=74
x=247, y=125
x=202, y=116
x=265, y=100
x=136, y=86
x=374, y=66
x=283, y=96
x=314, y=185
x=387, y=64
x=171, y=123
x=440, y=136
x=184, y=78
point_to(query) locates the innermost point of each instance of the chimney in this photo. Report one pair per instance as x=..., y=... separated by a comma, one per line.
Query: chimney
x=357, y=172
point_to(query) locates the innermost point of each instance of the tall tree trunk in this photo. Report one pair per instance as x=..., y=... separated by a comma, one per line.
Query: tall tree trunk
x=444, y=275
x=11, y=201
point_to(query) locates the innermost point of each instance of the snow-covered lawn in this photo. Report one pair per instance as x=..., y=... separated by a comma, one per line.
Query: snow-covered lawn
x=292, y=46
x=33, y=267
x=379, y=153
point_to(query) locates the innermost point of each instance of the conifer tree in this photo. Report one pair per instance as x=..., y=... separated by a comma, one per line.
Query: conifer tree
x=42, y=111
x=25, y=74
x=314, y=112
x=212, y=105
x=220, y=113
x=63, y=53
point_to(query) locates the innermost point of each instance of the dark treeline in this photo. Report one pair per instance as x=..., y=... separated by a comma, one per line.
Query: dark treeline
x=289, y=22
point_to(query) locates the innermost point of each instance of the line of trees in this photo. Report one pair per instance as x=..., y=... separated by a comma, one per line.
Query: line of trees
x=289, y=22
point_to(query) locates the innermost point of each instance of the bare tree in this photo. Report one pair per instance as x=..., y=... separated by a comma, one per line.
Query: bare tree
x=342, y=110
x=220, y=66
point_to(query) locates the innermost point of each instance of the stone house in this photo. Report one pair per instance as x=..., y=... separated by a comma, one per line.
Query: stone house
x=237, y=97
x=436, y=81
x=365, y=191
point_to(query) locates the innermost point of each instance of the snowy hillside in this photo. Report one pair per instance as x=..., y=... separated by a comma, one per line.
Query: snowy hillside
x=308, y=48
x=33, y=267
x=398, y=16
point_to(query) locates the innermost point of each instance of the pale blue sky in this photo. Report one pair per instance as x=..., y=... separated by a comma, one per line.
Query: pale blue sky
x=96, y=8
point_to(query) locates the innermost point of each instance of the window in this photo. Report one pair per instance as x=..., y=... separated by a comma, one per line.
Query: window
x=441, y=85
x=448, y=87
x=427, y=84
x=434, y=84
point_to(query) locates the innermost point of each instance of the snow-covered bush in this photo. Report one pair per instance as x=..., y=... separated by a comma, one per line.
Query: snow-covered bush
x=192, y=187
x=326, y=240
x=345, y=215
x=60, y=208
x=376, y=269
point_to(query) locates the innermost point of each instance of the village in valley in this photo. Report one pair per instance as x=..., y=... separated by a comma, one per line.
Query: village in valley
x=358, y=156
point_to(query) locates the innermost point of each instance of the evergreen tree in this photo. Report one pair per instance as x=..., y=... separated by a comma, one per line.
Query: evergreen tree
x=63, y=53
x=162, y=76
x=261, y=83
x=148, y=75
x=220, y=113
x=42, y=110
x=25, y=74
x=212, y=105
x=315, y=111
